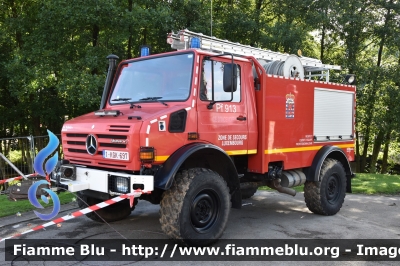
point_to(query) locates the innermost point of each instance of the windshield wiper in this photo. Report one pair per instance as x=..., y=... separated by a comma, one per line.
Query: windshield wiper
x=126, y=100
x=153, y=99
x=121, y=99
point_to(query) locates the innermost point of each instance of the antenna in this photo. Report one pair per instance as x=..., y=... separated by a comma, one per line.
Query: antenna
x=211, y=17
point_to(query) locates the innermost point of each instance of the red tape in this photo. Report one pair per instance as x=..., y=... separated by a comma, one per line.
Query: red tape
x=81, y=212
x=16, y=178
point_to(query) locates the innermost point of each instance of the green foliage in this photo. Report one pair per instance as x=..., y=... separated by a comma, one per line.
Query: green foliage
x=15, y=156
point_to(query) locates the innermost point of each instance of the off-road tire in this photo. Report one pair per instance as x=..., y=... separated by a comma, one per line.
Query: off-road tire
x=112, y=213
x=248, y=192
x=196, y=208
x=326, y=196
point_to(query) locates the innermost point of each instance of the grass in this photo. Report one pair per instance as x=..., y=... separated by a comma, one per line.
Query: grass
x=8, y=207
x=376, y=184
x=370, y=184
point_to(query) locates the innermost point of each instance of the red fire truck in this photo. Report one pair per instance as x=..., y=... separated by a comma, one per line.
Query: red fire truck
x=201, y=128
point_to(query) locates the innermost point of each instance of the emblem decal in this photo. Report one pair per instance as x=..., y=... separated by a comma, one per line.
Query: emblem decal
x=289, y=106
x=91, y=144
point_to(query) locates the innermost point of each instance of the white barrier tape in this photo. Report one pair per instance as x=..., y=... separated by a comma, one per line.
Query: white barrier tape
x=92, y=208
x=16, y=178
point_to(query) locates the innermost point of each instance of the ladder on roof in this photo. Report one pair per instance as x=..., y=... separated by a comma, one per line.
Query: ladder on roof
x=310, y=67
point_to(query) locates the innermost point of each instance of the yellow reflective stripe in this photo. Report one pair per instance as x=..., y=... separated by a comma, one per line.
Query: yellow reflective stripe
x=241, y=152
x=309, y=148
x=345, y=146
x=237, y=152
x=161, y=158
x=312, y=148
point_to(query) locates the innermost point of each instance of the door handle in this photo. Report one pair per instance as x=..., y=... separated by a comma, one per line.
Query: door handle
x=241, y=118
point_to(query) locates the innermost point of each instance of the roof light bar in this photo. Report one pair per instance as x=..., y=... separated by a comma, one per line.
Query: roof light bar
x=195, y=42
x=144, y=50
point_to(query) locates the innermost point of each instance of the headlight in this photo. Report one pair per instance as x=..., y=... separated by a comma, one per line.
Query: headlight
x=68, y=172
x=119, y=184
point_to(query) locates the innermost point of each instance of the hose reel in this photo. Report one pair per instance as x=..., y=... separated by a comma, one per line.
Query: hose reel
x=291, y=67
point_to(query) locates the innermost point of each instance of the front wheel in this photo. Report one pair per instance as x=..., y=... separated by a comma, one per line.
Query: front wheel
x=196, y=207
x=326, y=196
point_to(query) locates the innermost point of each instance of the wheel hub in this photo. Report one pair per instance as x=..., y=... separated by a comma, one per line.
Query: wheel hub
x=333, y=189
x=204, y=210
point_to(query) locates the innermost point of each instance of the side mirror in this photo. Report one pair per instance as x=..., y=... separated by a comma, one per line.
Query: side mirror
x=230, y=78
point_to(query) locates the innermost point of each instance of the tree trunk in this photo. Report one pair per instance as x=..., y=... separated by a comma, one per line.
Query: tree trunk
x=256, y=30
x=144, y=42
x=357, y=153
x=95, y=35
x=322, y=44
x=18, y=34
x=2, y=164
x=376, y=150
x=386, y=153
x=129, y=48
x=363, y=158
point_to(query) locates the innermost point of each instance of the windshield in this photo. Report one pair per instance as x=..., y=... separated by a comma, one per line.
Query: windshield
x=165, y=78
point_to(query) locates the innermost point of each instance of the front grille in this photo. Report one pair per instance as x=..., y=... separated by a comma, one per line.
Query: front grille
x=75, y=135
x=77, y=150
x=104, y=141
x=113, y=145
x=105, y=136
x=115, y=128
x=79, y=161
x=76, y=142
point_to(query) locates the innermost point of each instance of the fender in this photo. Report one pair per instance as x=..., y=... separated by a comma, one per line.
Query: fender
x=334, y=153
x=191, y=154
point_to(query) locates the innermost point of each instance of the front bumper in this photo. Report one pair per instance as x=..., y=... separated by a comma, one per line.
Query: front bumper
x=84, y=178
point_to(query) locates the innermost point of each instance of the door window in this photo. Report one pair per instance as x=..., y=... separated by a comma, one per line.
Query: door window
x=212, y=77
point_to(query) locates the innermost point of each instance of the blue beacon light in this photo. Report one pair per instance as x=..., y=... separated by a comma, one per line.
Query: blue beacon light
x=144, y=51
x=195, y=43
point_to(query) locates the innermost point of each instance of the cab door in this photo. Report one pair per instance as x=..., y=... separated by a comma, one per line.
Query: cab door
x=222, y=116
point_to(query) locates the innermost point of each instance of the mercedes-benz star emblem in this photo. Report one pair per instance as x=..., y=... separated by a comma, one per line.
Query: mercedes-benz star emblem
x=91, y=144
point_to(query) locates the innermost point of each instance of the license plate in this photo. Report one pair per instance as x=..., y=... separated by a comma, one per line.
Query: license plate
x=116, y=155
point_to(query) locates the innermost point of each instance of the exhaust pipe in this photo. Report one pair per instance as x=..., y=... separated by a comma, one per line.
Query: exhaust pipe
x=276, y=184
x=112, y=59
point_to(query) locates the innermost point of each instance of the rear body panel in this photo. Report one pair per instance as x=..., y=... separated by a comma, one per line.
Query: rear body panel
x=286, y=111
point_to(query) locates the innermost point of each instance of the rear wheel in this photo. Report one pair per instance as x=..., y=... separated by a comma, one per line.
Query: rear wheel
x=196, y=207
x=112, y=213
x=326, y=197
x=248, y=192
